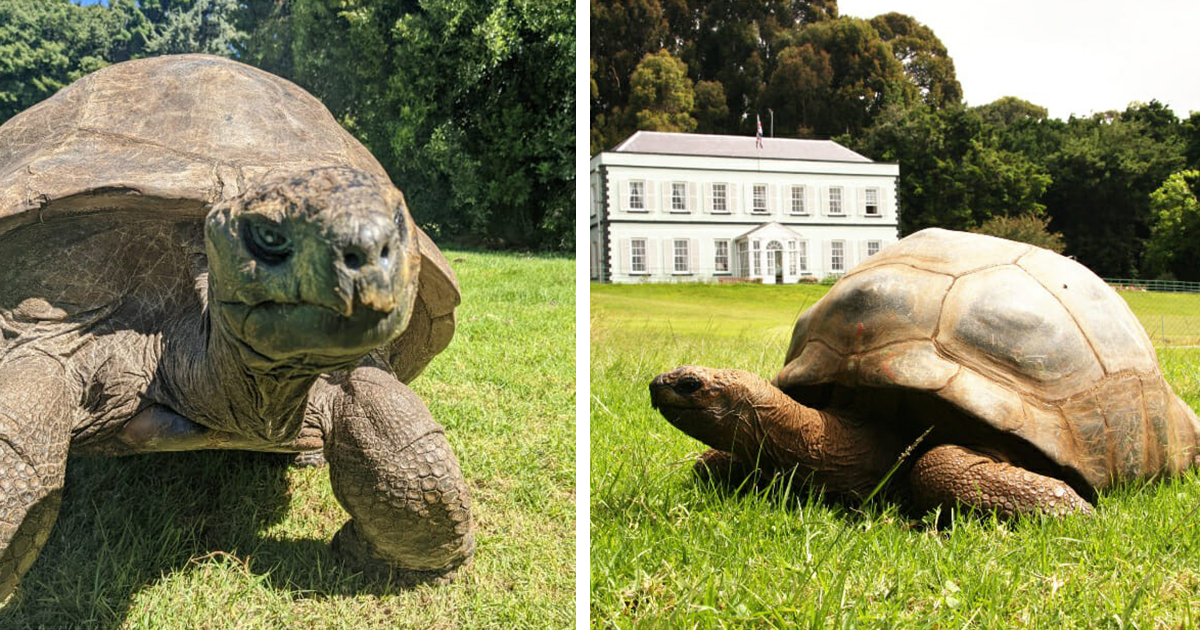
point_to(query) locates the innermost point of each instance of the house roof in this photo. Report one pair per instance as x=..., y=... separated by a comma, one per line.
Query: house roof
x=736, y=146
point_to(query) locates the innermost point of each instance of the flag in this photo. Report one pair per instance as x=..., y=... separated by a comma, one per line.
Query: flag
x=758, y=142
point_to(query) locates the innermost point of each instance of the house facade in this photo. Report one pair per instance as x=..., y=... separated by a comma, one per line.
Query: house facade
x=673, y=207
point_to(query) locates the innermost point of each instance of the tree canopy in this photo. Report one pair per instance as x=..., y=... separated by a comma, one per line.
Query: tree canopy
x=886, y=87
x=469, y=106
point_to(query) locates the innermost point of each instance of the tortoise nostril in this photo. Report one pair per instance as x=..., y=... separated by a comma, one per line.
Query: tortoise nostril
x=353, y=259
x=384, y=252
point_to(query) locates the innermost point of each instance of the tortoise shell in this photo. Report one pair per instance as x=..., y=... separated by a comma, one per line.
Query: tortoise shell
x=1020, y=343
x=169, y=136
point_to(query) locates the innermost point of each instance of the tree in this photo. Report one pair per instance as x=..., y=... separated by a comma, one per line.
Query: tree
x=1103, y=170
x=925, y=59
x=1173, y=249
x=1007, y=112
x=203, y=26
x=800, y=90
x=865, y=76
x=47, y=44
x=661, y=96
x=954, y=174
x=468, y=105
x=1025, y=228
x=711, y=108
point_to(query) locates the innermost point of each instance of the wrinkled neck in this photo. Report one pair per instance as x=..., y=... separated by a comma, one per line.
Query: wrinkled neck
x=211, y=382
x=774, y=428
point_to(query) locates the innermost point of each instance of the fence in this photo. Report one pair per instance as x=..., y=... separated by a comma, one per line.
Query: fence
x=1164, y=286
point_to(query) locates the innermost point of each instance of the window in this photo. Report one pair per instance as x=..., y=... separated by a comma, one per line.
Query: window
x=720, y=198
x=873, y=247
x=871, y=202
x=792, y=258
x=721, y=256
x=760, y=199
x=798, y=200
x=802, y=256
x=837, y=256
x=681, y=255
x=743, y=257
x=756, y=259
x=637, y=197
x=637, y=255
x=678, y=197
x=835, y=200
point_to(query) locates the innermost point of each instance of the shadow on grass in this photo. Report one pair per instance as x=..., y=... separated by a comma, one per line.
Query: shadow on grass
x=128, y=523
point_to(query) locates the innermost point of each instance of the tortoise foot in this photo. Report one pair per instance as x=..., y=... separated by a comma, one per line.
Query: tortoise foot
x=309, y=459
x=354, y=552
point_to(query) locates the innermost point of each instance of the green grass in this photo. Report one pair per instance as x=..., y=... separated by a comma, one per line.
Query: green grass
x=670, y=552
x=239, y=540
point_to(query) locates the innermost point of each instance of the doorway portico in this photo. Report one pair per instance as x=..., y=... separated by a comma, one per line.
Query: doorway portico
x=772, y=253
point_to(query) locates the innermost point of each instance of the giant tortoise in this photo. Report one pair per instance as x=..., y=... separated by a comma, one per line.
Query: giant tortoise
x=195, y=255
x=1024, y=381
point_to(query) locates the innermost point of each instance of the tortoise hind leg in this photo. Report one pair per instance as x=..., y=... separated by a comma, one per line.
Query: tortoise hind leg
x=34, y=439
x=950, y=474
x=392, y=469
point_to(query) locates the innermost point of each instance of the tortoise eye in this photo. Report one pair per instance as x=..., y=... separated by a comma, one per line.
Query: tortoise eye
x=266, y=241
x=688, y=385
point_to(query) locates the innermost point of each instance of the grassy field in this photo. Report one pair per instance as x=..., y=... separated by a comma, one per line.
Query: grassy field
x=229, y=540
x=671, y=552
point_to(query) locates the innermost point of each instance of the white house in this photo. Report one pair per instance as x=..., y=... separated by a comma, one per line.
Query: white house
x=670, y=207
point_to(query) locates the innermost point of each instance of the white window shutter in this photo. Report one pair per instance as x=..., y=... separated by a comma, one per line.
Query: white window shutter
x=827, y=257
x=706, y=196
x=624, y=195
x=823, y=200
x=624, y=264
x=665, y=189
x=772, y=198
x=692, y=203
x=731, y=195
x=694, y=255
x=651, y=260
x=862, y=202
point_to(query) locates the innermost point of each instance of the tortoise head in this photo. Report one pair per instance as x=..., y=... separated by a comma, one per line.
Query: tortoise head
x=711, y=405
x=318, y=268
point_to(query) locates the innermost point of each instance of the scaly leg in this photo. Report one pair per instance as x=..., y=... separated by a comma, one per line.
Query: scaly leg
x=724, y=468
x=392, y=469
x=950, y=474
x=35, y=416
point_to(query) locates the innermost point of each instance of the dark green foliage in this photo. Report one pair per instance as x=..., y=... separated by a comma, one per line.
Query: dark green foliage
x=47, y=44
x=1173, y=250
x=954, y=172
x=1026, y=228
x=468, y=105
x=1104, y=169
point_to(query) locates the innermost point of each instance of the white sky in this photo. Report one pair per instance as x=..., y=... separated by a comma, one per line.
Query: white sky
x=1070, y=56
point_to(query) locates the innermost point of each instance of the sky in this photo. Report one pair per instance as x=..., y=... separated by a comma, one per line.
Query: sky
x=1069, y=56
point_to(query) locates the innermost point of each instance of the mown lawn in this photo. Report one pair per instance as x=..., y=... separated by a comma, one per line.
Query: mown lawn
x=670, y=552
x=239, y=540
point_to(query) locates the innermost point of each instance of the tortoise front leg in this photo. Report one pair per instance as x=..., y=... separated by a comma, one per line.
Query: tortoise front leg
x=950, y=474
x=392, y=469
x=726, y=469
x=34, y=439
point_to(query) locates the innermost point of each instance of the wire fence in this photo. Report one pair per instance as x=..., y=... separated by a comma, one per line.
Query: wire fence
x=1170, y=318
x=1163, y=286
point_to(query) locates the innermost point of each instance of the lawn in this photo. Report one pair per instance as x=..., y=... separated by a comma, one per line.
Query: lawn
x=671, y=552
x=229, y=540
